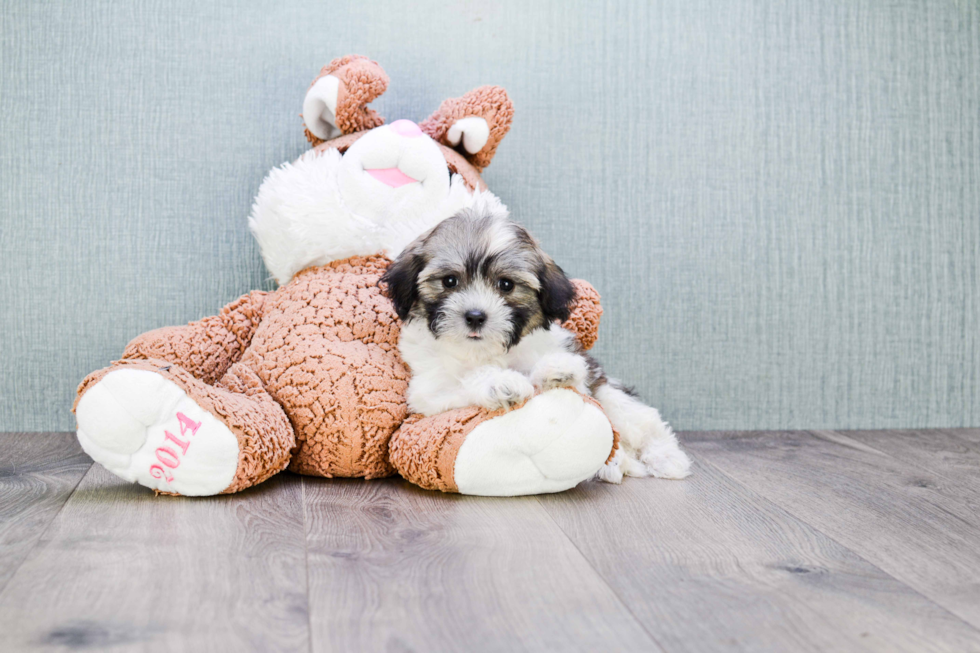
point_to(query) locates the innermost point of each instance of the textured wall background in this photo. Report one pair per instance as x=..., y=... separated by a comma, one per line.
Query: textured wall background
x=780, y=201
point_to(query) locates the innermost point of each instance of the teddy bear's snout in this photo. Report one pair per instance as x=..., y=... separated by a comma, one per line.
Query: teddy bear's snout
x=406, y=128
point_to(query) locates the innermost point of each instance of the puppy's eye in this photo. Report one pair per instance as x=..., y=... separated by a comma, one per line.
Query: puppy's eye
x=450, y=281
x=505, y=285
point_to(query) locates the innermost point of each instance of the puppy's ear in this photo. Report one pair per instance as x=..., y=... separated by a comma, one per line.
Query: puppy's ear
x=556, y=293
x=400, y=280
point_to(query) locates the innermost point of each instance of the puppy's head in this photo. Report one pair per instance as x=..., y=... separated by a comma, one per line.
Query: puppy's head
x=480, y=279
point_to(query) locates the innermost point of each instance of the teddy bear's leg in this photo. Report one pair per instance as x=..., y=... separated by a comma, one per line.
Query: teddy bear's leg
x=338, y=98
x=552, y=443
x=205, y=348
x=474, y=124
x=155, y=424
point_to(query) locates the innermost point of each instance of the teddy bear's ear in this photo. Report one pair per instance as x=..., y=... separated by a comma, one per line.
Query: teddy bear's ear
x=473, y=124
x=336, y=102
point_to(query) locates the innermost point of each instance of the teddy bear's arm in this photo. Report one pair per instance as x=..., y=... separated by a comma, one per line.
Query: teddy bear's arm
x=585, y=313
x=205, y=348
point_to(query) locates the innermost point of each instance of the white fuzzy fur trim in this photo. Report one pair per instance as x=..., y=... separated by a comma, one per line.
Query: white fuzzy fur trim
x=324, y=207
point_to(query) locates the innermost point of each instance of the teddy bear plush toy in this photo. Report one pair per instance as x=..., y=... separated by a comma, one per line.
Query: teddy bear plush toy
x=308, y=377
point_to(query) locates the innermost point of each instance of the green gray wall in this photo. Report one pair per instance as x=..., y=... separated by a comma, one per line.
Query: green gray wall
x=779, y=201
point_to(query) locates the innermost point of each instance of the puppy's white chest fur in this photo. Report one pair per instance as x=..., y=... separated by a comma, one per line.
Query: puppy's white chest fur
x=445, y=372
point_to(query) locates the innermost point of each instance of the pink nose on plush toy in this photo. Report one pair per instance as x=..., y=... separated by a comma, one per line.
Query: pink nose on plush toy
x=406, y=128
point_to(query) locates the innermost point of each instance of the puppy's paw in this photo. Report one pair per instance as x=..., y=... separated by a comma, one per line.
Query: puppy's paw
x=561, y=370
x=612, y=472
x=665, y=459
x=506, y=389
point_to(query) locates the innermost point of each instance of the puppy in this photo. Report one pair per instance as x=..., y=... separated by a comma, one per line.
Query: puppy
x=482, y=305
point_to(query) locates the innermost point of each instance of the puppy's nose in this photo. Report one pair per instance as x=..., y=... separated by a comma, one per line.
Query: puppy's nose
x=475, y=319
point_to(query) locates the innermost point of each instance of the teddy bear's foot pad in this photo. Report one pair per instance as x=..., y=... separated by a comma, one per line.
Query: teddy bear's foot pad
x=144, y=428
x=551, y=444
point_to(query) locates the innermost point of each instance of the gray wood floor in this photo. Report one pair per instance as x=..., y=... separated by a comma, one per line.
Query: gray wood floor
x=795, y=541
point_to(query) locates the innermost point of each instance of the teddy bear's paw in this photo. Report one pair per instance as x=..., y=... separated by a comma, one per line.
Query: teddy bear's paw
x=561, y=370
x=552, y=443
x=145, y=429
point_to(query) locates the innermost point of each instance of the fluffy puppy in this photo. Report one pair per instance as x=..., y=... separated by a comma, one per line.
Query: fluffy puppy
x=482, y=306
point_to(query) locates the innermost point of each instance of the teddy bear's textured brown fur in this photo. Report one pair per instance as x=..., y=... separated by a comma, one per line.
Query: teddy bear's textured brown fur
x=309, y=377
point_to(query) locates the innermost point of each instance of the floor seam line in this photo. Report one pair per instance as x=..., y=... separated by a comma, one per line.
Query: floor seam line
x=929, y=469
x=306, y=559
x=957, y=436
x=816, y=529
x=602, y=578
x=46, y=527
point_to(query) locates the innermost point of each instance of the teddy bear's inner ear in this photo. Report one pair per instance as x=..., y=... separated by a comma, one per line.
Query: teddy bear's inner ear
x=320, y=108
x=472, y=131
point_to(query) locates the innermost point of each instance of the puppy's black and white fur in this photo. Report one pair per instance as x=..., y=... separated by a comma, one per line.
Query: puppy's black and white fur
x=481, y=305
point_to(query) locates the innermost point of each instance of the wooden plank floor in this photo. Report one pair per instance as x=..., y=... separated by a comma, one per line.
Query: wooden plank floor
x=795, y=541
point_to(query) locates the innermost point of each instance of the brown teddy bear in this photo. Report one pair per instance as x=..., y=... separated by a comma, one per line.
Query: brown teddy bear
x=308, y=377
